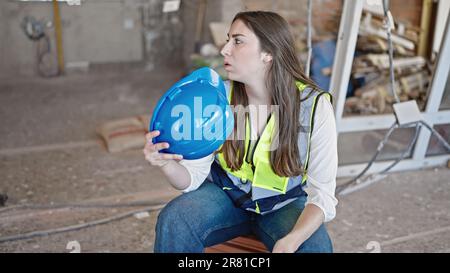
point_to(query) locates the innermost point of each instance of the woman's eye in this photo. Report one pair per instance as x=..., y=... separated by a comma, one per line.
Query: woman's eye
x=237, y=41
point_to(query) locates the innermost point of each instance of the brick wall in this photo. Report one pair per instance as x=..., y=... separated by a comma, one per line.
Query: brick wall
x=326, y=13
x=407, y=11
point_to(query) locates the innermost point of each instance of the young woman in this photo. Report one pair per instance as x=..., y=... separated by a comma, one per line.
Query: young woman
x=277, y=179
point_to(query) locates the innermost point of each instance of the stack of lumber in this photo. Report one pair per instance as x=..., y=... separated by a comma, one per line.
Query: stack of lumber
x=370, y=71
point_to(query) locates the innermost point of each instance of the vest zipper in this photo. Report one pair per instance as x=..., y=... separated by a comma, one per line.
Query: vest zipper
x=253, y=153
x=249, y=141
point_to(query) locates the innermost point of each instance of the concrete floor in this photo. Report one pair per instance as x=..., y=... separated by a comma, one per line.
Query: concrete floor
x=50, y=153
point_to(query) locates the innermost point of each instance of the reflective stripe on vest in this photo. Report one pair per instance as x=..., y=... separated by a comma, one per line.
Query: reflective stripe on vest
x=257, y=170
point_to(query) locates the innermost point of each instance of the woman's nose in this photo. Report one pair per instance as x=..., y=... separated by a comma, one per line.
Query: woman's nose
x=225, y=50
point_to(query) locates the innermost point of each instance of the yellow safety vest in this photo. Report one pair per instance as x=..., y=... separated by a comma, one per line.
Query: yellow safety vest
x=256, y=165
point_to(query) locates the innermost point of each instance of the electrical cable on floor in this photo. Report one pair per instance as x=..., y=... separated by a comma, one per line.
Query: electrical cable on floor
x=41, y=233
x=436, y=134
x=347, y=187
x=74, y=206
x=371, y=161
x=343, y=189
x=406, y=152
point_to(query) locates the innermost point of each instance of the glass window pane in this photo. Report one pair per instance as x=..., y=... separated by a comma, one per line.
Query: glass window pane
x=434, y=146
x=359, y=147
x=445, y=104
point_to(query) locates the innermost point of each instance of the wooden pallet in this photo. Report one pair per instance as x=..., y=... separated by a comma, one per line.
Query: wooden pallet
x=242, y=244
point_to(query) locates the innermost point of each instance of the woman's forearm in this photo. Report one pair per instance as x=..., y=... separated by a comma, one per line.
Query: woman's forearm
x=308, y=222
x=177, y=175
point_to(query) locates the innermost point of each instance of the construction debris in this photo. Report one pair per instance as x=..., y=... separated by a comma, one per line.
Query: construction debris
x=370, y=71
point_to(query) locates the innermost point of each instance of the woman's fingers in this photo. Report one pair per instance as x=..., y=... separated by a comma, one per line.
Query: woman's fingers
x=151, y=150
x=158, y=159
x=162, y=156
x=150, y=135
x=160, y=146
x=152, y=154
x=170, y=156
x=150, y=147
x=154, y=147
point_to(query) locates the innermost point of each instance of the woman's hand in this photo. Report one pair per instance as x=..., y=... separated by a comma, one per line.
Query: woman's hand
x=285, y=245
x=152, y=154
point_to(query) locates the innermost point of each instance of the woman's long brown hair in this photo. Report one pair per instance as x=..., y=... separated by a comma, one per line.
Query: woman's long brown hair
x=275, y=38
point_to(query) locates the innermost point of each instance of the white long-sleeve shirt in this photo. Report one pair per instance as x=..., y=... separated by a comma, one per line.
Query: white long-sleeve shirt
x=322, y=169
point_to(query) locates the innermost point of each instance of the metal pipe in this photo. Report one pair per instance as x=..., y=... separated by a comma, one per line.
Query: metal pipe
x=58, y=34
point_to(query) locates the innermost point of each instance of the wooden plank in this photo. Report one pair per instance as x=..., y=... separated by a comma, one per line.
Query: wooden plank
x=368, y=29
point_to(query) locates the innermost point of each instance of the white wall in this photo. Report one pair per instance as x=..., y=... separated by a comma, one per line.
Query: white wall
x=95, y=31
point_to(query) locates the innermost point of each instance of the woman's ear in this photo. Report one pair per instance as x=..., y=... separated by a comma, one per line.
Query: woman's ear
x=266, y=57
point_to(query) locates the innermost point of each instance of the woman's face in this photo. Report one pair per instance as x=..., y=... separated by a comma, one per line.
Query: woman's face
x=243, y=59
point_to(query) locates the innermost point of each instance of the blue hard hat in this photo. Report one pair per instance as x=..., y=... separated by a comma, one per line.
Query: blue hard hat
x=194, y=115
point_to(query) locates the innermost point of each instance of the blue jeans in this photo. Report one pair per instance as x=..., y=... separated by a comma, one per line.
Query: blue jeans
x=207, y=216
